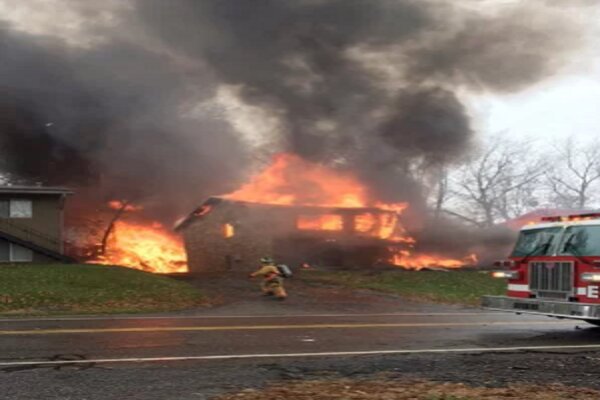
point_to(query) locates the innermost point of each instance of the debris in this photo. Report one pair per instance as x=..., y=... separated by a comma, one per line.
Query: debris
x=385, y=388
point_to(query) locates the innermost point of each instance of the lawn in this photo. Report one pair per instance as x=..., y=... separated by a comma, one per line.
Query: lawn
x=461, y=287
x=77, y=288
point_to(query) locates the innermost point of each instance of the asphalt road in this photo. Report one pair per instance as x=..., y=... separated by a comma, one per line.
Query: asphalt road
x=31, y=341
x=196, y=355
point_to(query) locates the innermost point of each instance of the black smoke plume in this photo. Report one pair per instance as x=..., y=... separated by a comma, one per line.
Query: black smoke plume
x=373, y=86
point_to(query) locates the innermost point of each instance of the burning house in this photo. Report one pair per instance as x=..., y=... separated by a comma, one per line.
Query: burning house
x=226, y=234
x=376, y=91
x=300, y=212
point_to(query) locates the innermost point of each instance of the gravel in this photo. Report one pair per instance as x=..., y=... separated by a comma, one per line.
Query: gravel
x=205, y=380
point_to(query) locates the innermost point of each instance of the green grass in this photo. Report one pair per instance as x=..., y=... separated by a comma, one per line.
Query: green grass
x=459, y=287
x=82, y=289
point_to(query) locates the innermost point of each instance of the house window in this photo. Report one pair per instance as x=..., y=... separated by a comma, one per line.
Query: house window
x=10, y=252
x=4, y=251
x=20, y=253
x=4, y=208
x=16, y=208
x=228, y=231
x=320, y=222
x=21, y=209
x=364, y=223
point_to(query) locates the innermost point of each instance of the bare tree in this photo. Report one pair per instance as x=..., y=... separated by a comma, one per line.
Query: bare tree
x=575, y=174
x=499, y=183
x=440, y=192
x=521, y=199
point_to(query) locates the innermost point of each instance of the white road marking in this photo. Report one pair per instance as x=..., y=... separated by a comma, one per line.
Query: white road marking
x=167, y=317
x=298, y=355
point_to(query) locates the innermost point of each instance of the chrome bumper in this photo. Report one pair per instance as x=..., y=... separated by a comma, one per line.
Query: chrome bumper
x=560, y=309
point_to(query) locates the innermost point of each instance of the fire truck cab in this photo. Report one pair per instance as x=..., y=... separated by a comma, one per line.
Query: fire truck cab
x=554, y=270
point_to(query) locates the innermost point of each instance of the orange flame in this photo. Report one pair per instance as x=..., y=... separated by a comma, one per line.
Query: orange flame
x=290, y=180
x=365, y=223
x=149, y=247
x=228, y=231
x=203, y=210
x=322, y=222
x=405, y=259
x=118, y=204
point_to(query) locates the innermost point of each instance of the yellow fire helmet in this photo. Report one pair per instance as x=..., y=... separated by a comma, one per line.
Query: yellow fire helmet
x=266, y=260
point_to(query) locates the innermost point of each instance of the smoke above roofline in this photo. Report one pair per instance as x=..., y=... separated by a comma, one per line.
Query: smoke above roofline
x=137, y=111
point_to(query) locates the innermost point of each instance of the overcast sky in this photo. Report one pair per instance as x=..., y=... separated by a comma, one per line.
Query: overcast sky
x=565, y=105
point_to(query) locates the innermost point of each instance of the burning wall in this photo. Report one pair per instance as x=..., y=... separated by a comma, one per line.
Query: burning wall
x=229, y=234
x=299, y=211
x=220, y=235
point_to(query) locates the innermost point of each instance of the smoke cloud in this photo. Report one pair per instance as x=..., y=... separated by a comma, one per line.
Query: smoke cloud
x=129, y=105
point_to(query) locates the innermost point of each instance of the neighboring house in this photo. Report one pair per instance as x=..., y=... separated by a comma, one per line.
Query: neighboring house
x=31, y=224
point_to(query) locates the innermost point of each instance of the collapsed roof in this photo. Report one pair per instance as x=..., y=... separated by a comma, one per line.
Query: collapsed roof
x=214, y=201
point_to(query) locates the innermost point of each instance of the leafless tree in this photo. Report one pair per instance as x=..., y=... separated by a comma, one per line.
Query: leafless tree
x=499, y=183
x=520, y=200
x=575, y=174
x=440, y=191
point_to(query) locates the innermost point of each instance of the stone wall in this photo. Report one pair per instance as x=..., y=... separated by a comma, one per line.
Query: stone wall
x=210, y=251
x=263, y=230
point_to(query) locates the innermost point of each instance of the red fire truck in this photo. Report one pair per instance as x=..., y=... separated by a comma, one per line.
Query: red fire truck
x=554, y=270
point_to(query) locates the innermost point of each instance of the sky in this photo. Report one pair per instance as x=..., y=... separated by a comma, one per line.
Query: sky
x=567, y=104
x=566, y=107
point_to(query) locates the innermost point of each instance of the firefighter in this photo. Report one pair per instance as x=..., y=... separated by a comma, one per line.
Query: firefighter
x=272, y=284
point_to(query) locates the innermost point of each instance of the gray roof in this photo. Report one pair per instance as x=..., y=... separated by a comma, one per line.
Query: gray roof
x=34, y=189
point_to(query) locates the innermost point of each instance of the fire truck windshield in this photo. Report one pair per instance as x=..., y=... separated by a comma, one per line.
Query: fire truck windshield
x=582, y=240
x=537, y=242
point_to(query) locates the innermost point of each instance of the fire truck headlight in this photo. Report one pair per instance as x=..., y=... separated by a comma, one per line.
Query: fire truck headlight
x=507, y=274
x=590, y=277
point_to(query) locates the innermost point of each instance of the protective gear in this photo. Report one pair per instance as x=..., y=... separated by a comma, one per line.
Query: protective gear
x=267, y=261
x=285, y=271
x=272, y=283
